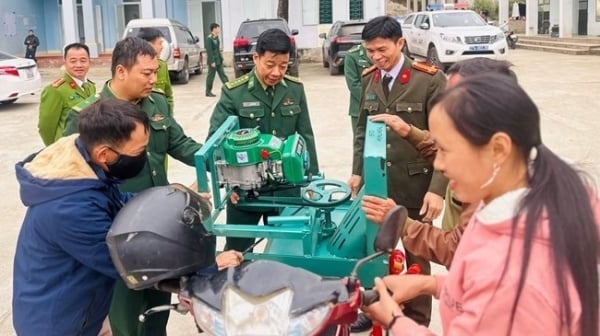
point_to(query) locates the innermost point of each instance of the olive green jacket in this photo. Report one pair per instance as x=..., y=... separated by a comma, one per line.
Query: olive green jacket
x=163, y=82
x=409, y=175
x=355, y=62
x=57, y=99
x=282, y=115
x=213, y=50
x=166, y=137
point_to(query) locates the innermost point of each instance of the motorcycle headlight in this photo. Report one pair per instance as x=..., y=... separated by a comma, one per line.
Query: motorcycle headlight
x=310, y=322
x=244, y=315
x=451, y=38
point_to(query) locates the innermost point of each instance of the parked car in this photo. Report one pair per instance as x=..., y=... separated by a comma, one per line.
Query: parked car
x=18, y=77
x=244, y=44
x=342, y=36
x=448, y=36
x=183, y=53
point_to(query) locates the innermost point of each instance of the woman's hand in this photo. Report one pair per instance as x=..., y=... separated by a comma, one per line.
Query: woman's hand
x=376, y=208
x=408, y=286
x=383, y=311
x=229, y=258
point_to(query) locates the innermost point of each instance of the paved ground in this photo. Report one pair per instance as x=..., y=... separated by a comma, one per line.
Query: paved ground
x=564, y=87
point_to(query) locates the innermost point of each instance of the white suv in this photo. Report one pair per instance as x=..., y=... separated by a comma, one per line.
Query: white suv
x=448, y=36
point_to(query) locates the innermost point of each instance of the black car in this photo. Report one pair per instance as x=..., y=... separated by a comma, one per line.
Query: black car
x=342, y=36
x=245, y=44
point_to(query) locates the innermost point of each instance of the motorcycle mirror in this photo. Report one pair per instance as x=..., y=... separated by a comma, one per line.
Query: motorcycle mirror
x=389, y=231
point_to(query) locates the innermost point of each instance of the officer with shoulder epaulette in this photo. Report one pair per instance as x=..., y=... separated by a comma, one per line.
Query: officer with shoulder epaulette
x=355, y=62
x=60, y=96
x=396, y=85
x=274, y=103
x=134, y=66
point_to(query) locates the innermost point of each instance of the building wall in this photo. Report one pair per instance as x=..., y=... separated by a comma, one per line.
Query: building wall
x=593, y=21
x=17, y=18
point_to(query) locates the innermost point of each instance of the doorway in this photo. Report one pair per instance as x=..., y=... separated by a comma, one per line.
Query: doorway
x=582, y=20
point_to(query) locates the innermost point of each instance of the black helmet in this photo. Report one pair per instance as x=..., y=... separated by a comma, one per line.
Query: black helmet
x=159, y=235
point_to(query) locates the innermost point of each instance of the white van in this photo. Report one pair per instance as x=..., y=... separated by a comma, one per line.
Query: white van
x=184, y=53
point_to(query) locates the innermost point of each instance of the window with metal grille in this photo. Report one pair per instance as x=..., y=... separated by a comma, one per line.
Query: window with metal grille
x=356, y=9
x=325, y=11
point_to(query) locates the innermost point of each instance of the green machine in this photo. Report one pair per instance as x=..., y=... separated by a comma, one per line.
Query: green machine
x=321, y=230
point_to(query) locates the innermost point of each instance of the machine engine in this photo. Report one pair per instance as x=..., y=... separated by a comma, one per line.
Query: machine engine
x=251, y=160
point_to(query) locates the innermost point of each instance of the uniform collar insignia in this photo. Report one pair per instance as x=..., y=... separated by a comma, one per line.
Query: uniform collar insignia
x=157, y=117
x=404, y=76
x=72, y=84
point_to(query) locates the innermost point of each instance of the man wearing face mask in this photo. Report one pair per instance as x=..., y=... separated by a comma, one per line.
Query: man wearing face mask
x=134, y=67
x=63, y=273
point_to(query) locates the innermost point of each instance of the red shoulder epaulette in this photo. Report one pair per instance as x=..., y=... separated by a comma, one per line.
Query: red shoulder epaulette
x=424, y=67
x=58, y=82
x=368, y=70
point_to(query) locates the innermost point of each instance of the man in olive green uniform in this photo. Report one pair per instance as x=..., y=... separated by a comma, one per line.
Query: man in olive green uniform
x=134, y=63
x=274, y=103
x=355, y=62
x=163, y=81
x=397, y=86
x=214, y=59
x=72, y=88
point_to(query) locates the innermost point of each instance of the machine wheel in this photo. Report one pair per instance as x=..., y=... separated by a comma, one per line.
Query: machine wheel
x=8, y=102
x=433, y=59
x=334, y=70
x=326, y=193
x=183, y=76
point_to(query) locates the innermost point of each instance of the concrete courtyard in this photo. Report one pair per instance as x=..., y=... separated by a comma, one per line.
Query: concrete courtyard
x=566, y=89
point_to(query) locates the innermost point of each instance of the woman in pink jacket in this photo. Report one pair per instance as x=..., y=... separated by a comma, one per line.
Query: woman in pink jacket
x=528, y=260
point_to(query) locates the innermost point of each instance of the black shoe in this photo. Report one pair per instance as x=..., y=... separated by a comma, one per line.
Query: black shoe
x=210, y=94
x=361, y=324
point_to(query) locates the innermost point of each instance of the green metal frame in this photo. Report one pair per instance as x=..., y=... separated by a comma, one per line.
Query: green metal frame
x=325, y=240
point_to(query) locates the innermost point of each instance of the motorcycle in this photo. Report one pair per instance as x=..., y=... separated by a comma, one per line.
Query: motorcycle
x=266, y=297
x=511, y=37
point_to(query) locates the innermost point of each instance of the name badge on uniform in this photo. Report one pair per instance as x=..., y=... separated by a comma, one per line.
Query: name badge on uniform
x=250, y=104
x=371, y=96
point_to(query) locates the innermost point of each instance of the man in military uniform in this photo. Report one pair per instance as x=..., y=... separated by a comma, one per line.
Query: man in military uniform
x=134, y=66
x=214, y=59
x=163, y=81
x=271, y=101
x=355, y=62
x=397, y=86
x=58, y=98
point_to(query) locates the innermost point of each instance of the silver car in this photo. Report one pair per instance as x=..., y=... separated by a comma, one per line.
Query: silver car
x=183, y=54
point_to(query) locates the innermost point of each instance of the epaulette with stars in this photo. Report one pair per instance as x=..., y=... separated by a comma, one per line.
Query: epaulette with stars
x=232, y=84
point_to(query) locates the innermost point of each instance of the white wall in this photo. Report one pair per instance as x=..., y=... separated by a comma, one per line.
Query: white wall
x=593, y=26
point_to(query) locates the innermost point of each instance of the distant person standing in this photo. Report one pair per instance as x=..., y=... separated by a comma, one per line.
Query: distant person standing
x=31, y=44
x=60, y=96
x=214, y=59
x=355, y=62
x=163, y=82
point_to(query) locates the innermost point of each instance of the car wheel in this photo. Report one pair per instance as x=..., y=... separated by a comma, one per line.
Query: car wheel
x=325, y=62
x=8, y=102
x=200, y=68
x=183, y=76
x=433, y=59
x=293, y=71
x=333, y=70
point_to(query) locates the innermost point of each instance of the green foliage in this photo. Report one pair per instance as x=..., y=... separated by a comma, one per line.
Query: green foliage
x=490, y=5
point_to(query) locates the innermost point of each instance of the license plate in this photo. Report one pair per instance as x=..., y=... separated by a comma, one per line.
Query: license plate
x=478, y=48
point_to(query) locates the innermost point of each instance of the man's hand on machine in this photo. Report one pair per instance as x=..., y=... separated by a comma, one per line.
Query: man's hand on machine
x=376, y=208
x=229, y=258
x=354, y=184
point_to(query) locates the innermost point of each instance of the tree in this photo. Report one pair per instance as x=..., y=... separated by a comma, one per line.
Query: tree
x=282, y=9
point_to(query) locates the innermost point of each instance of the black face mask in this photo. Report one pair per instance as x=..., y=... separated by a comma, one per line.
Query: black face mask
x=127, y=166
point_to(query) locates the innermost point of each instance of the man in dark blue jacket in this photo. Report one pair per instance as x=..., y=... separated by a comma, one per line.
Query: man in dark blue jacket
x=63, y=274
